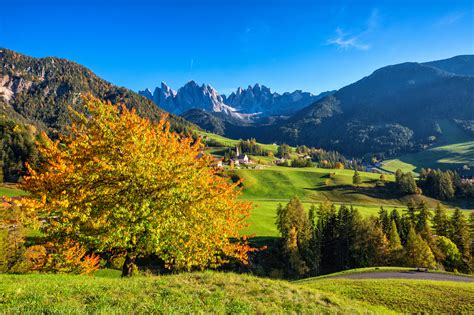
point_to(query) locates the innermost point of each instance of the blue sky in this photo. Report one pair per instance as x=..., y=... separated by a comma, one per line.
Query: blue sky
x=286, y=45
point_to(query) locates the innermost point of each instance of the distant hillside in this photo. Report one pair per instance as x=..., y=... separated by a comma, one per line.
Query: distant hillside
x=397, y=109
x=39, y=90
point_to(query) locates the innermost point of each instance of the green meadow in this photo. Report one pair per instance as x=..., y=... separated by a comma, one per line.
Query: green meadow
x=227, y=293
x=268, y=187
x=227, y=142
x=185, y=293
x=403, y=296
x=454, y=150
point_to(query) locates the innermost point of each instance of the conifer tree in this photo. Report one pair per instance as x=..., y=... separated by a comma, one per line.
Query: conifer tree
x=394, y=238
x=460, y=234
x=396, y=247
x=441, y=222
x=384, y=220
x=295, y=229
x=411, y=211
x=356, y=179
x=423, y=216
x=446, y=188
x=312, y=252
x=471, y=224
x=395, y=216
x=417, y=251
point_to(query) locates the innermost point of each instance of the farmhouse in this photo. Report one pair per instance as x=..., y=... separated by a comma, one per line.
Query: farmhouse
x=241, y=159
x=218, y=162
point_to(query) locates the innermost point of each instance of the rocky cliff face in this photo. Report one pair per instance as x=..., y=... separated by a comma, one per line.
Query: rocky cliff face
x=260, y=99
x=254, y=101
x=10, y=86
x=190, y=96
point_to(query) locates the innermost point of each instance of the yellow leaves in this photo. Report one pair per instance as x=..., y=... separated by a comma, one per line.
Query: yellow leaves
x=121, y=182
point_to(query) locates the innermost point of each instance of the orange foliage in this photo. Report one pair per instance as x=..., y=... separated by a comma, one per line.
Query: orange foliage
x=36, y=257
x=118, y=182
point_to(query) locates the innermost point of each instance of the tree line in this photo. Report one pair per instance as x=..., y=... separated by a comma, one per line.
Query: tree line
x=17, y=146
x=328, y=239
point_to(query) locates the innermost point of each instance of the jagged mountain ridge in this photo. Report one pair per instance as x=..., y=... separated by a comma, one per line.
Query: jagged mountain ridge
x=245, y=104
x=398, y=108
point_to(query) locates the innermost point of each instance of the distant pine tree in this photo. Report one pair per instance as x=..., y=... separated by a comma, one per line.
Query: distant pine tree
x=356, y=179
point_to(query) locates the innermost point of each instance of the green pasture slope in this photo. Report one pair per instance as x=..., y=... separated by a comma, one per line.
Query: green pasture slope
x=400, y=295
x=227, y=142
x=268, y=187
x=454, y=150
x=203, y=292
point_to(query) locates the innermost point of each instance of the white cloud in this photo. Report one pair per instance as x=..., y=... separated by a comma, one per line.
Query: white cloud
x=347, y=41
x=350, y=40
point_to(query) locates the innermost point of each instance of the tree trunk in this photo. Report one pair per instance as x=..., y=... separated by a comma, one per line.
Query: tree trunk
x=127, y=268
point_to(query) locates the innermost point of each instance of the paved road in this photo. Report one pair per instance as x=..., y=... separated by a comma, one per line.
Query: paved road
x=407, y=275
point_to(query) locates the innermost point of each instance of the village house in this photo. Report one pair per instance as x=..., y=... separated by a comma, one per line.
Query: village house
x=240, y=158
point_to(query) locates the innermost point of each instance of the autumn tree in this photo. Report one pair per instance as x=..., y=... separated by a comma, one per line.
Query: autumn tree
x=395, y=244
x=120, y=183
x=295, y=229
x=418, y=252
x=451, y=256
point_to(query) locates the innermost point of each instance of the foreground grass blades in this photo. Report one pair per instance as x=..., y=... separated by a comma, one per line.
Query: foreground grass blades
x=207, y=292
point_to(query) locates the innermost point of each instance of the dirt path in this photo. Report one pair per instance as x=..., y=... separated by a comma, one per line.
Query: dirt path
x=407, y=275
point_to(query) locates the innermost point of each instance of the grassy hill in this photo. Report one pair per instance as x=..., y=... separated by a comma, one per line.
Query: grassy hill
x=454, y=150
x=405, y=296
x=267, y=187
x=400, y=295
x=227, y=142
x=219, y=293
x=207, y=292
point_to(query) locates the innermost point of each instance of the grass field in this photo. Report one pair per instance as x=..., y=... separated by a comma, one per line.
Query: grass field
x=262, y=220
x=405, y=296
x=454, y=150
x=205, y=292
x=227, y=293
x=10, y=192
x=267, y=187
x=395, y=164
x=231, y=142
